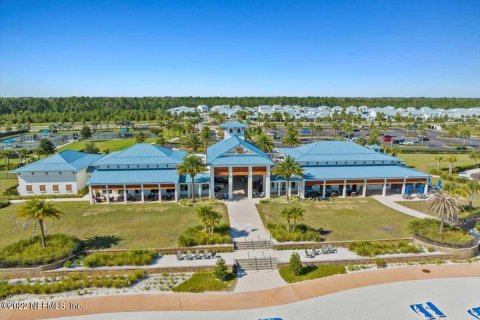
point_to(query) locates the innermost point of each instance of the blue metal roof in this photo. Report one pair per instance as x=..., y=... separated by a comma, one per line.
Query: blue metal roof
x=67, y=160
x=335, y=151
x=223, y=153
x=361, y=172
x=143, y=153
x=139, y=176
x=233, y=124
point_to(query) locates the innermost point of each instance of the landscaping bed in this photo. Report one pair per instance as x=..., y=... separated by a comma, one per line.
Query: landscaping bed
x=302, y=232
x=196, y=236
x=376, y=248
x=29, y=252
x=204, y=282
x=428, y=230
x=129, y=258
x=311, y=272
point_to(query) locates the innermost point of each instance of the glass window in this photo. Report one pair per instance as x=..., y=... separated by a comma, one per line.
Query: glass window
x=183, y=187
x=68, y=187
x=55, y=187
x=29, y=188
x=42, y=188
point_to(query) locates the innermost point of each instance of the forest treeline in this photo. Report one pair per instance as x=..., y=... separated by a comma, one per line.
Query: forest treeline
x=144, y=108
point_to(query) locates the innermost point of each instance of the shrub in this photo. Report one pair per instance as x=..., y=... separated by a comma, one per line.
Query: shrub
x=302, y=233
x=131, y=258
x=380, y=263
x=67, y=264
x=477, y=226
x=29, y=252
x=295, y=264
x=195, y=236
x=429, y=231
x=4, y=203
x=12, y=191
x=221, y=271
x=375, y=248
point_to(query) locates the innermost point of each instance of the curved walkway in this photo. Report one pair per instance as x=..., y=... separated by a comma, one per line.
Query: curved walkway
x=248, y=300
x=390, y=201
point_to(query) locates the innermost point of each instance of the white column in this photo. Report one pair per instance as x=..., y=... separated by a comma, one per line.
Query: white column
x=301, y=189
x=384, y=191
x=364, y=191
x=279, y=187
x=288, y=187
x=177, y=193
x=159, y=193
x=108, y=193
x=211, y=189
x=425, y=190
x=230, y=183
x=267, y=183
x=324, y=191
x=124, y=193
x=142, y=193
x=404, y=185
x=90, y=193
x=344, y=191
x=199, y=190
x=189, y=194
x=250, y=183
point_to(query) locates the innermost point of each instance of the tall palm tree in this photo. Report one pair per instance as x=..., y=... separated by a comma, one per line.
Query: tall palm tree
x=265, y=143
x=194, y=143
x=287, y=169
x=451, y=160
x=192, y=165
x=5, y=154
x=209, y=217
x=474, y=154
x=286, y=214
x=296, y=215
x=473, y=188
x=291, y=139
x=206, y=135
x=439, y=159
x=38, y=210
x=443, y=206
x=161, y=140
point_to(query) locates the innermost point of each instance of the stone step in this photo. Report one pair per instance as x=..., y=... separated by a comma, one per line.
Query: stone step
x=266, y=263
x=252, y=245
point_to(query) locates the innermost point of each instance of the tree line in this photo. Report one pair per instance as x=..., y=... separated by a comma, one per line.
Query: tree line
x=65, y=109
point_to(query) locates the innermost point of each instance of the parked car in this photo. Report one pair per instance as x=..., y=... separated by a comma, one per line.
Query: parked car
x=387, y=139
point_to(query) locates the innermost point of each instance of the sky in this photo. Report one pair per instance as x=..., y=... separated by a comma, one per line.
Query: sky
x=364, y=48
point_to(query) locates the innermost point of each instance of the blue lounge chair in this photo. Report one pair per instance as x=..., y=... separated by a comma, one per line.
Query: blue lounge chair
x=420, y=310
x=435, y=310
x=474, y=312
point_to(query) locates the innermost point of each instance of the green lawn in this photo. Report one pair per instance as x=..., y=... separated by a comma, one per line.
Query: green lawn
x=421, y=206
x=132, y=226
x=425, y=162
x=346, y=219
x=113, y=145
x=205, y=282
x=310, y=272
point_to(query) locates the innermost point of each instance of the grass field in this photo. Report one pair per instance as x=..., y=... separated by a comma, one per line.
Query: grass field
x=421, y=206
x=205, y=282
x=133, y=226
x=310, y=272
x=113, y=145
x=346, y=219
x=425, y=162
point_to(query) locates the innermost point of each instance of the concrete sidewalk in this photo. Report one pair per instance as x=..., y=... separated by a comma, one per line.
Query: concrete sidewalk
x=243, y=215
x=390, y=201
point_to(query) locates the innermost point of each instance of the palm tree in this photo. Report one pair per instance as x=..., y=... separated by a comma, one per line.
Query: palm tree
x=291, y=139
x=286, y=215
x=192, y=165
x=206, y=135
x=296, y=215
x=288, y=169
x=474, y=154
x=5, y=154
x=22, y=154
x=443, y=206
x=473, y=188
x=209, y=217
x=194, y=143
x=439, y=159
x=161, y=140
x=38, y=210
x=141, y=137
x=451, y=160
x=265, y=143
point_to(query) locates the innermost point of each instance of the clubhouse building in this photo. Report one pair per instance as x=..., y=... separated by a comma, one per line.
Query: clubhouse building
x=236, y=168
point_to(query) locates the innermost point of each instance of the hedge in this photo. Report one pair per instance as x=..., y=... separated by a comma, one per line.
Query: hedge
x=129, y=258
x=428, y=230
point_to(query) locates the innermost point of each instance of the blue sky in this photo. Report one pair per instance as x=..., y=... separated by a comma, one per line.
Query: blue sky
x=240, y=48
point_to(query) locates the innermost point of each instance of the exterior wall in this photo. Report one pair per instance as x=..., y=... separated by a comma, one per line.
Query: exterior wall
x=49, y=179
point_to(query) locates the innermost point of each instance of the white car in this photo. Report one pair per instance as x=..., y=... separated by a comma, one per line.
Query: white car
x=465, y=175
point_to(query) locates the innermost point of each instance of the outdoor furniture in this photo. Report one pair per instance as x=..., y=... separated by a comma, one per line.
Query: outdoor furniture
x=213, y=254
x=189, y=255
x=420, y=310
x=179, y=255
x=206, y=255
x=331, y=249
x=325, y=250
x=475, y=312
x=308, y=254
x=197, y=255
x=316, y=252
x=406, y=196
x=435, y=310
